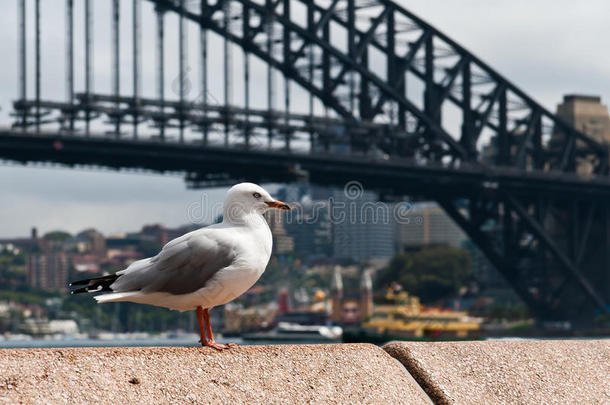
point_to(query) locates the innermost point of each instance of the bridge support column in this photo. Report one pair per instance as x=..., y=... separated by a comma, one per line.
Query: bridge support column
x=528, y=239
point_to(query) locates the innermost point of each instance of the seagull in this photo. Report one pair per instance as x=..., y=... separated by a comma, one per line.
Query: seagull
x=201, y=269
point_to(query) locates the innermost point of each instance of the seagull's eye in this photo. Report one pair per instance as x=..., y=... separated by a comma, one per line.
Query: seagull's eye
x=256, y=195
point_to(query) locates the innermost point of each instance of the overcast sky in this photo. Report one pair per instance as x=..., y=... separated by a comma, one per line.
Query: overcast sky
x=546, y=47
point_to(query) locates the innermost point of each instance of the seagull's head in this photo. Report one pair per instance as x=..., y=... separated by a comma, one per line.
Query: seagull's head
x=246, y=198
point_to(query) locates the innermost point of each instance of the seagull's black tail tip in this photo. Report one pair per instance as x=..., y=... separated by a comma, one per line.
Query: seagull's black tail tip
x=96, y=284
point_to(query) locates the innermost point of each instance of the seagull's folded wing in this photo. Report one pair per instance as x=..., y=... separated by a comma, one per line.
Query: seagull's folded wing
x=183, y=266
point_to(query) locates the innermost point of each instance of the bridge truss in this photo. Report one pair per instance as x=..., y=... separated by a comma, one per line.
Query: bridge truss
x=392, y=102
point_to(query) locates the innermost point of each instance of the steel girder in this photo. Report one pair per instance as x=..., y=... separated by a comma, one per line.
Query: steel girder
x=522, y=127
x=546, y=246
x=500, y=102
x=331, y=56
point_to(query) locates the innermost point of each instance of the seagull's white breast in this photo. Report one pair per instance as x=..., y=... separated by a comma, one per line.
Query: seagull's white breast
x=253, y=247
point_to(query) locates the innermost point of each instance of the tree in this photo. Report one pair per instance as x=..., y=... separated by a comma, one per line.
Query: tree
x=432, y=274
x=59, y=236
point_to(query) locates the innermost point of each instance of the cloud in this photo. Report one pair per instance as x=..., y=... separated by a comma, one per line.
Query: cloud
x=70, y=199
x=546, y=47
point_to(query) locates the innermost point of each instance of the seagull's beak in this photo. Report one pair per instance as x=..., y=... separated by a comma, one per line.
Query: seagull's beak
x=278, y=204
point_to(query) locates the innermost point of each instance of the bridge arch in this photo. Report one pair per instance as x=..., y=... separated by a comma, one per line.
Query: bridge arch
x=430, y=46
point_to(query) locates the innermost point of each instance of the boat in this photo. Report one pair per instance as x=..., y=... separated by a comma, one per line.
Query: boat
x=404, y=318
x=361, y=335
x=287, y=332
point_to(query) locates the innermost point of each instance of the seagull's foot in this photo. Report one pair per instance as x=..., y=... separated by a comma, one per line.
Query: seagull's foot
x=217, y=346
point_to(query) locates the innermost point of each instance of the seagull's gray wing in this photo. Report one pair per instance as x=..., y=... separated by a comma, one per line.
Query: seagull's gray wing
x=183, y=266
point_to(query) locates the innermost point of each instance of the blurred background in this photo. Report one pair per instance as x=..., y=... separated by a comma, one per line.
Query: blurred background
x=447, y=164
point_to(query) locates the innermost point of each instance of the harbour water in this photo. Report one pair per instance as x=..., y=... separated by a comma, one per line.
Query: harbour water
x=185, y=340
x=88, y=342
x=140, y=342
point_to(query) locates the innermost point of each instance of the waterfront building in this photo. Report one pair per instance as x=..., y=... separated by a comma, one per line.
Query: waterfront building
x=427, y=224
x=308, y=222
x=366, y=295
x=48, y=271
x=351, y=307
x=586, y=114
x=362, y=226
x=91, y=241
x=336, y=295
x=282, y=242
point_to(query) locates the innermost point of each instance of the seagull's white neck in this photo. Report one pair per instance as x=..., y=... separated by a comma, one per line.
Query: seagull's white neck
x=256, y=228
x=233, y=215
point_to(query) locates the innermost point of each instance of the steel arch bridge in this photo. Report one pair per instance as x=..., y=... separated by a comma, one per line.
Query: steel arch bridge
x=392, y=102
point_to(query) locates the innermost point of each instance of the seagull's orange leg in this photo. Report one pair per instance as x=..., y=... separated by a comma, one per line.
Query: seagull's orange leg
x=210, y=342
x=203, y=339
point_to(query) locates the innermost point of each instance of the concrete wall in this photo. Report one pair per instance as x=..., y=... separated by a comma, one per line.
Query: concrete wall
x=400, y=373
x=510, y=372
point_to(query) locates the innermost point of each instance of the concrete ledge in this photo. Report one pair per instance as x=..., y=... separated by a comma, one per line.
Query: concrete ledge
x=515, y=372
x=248, y=374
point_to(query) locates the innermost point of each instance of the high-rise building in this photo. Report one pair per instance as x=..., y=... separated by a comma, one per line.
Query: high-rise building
x=311, y=230
x=282, y=242
x=308, y=221
x=427, y=224
x=48, y=271
x=362, y=226
x=586, y=114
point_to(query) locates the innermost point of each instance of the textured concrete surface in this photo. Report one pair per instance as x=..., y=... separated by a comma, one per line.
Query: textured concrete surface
x=510, y=372
x=323, y=374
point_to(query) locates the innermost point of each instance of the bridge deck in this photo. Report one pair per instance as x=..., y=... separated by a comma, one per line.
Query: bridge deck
x=389, y=173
